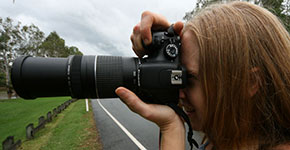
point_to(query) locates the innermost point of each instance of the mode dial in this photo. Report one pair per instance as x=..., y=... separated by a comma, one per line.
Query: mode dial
x=171, y=50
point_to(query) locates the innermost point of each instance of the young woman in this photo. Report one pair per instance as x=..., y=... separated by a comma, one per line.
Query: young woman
x=239, y=96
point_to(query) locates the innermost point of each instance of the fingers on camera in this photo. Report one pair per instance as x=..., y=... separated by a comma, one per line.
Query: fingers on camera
x=137, y=41
x=178, y=26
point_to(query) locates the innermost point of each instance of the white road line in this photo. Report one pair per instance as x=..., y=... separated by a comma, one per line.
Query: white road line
x=141, y=147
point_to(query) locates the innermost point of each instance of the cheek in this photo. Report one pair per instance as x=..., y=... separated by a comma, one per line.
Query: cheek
x=197, y=97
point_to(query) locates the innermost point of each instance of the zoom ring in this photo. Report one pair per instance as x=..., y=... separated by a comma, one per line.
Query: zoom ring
x=108, y=75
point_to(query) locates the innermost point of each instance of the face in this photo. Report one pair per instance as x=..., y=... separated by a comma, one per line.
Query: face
x=192, y=97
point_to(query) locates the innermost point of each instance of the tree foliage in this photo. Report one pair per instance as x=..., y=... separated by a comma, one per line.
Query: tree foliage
x=2, y=79
x=32, y=40
x=54, y=46
x=9, y=45
x=16, y=40
x=280, y=8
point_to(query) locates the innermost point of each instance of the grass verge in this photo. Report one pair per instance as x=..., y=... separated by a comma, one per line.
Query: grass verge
x=74, y=128
x=16, y=114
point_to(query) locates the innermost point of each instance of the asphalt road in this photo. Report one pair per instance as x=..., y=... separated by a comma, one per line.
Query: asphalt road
x=113, y=137
x=121, y=129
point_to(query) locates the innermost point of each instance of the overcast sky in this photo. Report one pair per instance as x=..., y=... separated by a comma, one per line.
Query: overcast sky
x=96, y=27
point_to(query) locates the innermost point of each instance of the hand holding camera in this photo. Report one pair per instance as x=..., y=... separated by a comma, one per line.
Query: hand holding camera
x=142, y=31
x=169, y=122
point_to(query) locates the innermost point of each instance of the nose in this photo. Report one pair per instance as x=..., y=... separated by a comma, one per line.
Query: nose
x=181, y=94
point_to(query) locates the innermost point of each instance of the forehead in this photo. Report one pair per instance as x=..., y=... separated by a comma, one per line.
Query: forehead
x=190, y=52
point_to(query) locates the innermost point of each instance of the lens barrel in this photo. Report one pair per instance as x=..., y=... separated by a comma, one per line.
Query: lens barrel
x=76, y=76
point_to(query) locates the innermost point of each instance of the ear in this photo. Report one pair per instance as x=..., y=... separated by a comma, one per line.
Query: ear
x=254, y=81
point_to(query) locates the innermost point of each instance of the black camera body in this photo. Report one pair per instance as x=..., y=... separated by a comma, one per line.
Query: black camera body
x=161, y=73
x=155, y=78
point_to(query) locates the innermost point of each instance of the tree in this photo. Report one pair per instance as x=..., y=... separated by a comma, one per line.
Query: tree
x=32, y=39
x=2, y=79
x=278, y=7
x=18, y=40
x=9, y=45
x=54, y=46
x=73, y=51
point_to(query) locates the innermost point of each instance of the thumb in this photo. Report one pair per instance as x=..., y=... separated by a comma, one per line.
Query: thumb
x=133, y=102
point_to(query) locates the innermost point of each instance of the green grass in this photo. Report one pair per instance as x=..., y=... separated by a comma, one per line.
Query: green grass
x=16, y=114
x=74, y=128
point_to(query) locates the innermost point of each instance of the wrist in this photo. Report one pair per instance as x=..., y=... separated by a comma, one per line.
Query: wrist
x=173, y=135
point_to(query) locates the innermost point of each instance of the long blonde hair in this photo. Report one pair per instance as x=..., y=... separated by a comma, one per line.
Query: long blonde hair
x=242, y=45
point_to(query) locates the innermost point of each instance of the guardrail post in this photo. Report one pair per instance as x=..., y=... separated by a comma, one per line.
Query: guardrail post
x=54, y=112
x=29, y=131
x=8, y=143
x=41, y=121
x=58, y=109
x=49, y=116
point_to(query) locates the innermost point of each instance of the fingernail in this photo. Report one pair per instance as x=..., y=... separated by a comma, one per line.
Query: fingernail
x=120, y=92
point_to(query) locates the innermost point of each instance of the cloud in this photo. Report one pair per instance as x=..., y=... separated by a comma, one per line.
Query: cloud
x=95, y=27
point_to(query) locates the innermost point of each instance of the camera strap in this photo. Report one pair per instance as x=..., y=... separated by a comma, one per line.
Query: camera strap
x=181, y=113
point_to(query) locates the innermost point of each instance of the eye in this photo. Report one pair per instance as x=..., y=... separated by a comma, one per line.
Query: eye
x=191, y=80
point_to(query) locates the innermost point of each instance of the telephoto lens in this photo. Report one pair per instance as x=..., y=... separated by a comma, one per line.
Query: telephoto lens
x=76, y=76
x=156, y=78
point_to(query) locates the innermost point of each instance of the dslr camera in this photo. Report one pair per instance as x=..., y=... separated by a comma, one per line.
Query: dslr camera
x=155, y=78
